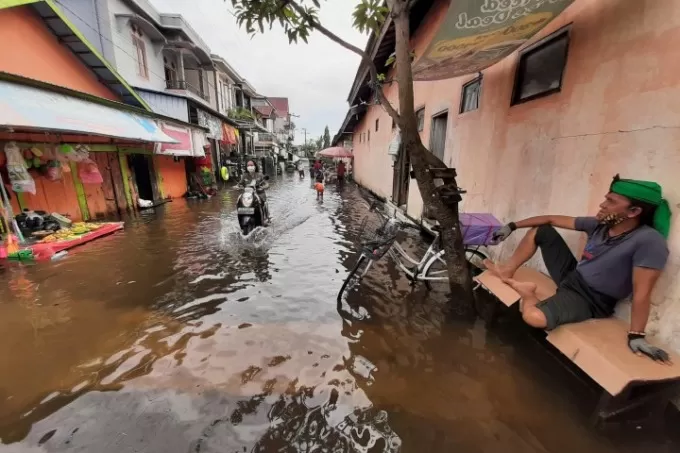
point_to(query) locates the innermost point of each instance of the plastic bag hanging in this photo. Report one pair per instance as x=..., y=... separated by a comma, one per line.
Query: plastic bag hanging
x=19, y=177
x=89, y=172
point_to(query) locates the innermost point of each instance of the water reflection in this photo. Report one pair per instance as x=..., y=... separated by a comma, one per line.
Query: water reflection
x=181, y=335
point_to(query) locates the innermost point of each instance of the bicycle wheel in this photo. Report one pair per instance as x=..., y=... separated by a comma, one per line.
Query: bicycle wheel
x=435, y=272
x=355, y=275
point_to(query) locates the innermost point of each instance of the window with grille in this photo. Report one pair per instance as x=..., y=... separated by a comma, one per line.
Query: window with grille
x=541, y=67
x=438, y=134
x=420, y=118
x=170, y=70
x=140, y=47
x=469, y=97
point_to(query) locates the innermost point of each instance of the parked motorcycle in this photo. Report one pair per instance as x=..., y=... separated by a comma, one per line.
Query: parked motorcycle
x=251, y=210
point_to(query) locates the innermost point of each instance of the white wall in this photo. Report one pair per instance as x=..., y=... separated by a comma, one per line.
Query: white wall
x=226, y=99
x=280, y=123
x=126, y=53
x=91, y=17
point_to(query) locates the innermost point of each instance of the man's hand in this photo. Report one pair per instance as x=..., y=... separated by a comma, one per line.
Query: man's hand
x=503, y=233
x=639, y=346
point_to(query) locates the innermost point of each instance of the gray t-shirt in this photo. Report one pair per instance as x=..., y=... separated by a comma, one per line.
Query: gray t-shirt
x=607, y=262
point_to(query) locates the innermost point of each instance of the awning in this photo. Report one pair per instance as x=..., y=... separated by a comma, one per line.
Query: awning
x=200, y=141
x=149, y=28
x=184, y=138
x=29, y=108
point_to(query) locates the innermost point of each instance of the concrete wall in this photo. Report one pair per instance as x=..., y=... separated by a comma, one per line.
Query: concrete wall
x=91, y=17
x=126, y=53
x=193, y=77
x=280, y=123
x=35, y=53
x=617, y=113
x=228, y=99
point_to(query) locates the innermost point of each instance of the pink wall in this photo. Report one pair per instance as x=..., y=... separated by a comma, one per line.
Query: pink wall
x=618, y=112
x=30, y=50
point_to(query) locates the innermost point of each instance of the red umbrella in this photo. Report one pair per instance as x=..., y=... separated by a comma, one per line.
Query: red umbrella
x=336, y=152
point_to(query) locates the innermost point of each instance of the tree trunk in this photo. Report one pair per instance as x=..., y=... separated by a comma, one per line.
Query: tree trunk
x=423, y=160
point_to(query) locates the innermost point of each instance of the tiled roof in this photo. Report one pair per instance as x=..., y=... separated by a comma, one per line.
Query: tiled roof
x=280, y=104
x=264, y=110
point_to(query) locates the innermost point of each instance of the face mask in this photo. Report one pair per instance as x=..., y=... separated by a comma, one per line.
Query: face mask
x=251, y=169
x=612, y=219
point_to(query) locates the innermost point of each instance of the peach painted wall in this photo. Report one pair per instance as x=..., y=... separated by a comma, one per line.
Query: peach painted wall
x=618, y=112
x=172, y=176
x=31, y=50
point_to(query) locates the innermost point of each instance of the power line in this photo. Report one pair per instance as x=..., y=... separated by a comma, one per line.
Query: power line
x=133, y=57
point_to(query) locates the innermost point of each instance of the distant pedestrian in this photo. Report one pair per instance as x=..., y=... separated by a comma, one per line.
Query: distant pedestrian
x=318, y=167
x=341, y=172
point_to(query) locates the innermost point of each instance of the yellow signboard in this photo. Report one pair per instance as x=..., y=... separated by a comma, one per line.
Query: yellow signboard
x=478, y=33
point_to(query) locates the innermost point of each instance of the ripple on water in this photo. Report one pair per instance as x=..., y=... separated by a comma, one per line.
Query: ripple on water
x=232, y=343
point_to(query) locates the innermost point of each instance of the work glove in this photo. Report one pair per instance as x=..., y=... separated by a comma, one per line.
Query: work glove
x=503, y=233
x=639, y=345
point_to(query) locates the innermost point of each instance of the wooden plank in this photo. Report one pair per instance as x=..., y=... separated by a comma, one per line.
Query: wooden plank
x=127, y=184
x=600, y=348
x=545, y=286
x=443, y=173
x=118, y=182
x=107, y=187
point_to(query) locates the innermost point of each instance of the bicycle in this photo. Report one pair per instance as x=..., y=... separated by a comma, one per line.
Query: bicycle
x=376, y=239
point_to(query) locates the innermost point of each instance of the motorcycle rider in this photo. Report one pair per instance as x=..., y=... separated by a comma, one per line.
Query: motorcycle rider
x=251, y=175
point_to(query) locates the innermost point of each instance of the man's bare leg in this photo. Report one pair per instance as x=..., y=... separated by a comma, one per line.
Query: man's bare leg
x=525, y=250
x=531, y=315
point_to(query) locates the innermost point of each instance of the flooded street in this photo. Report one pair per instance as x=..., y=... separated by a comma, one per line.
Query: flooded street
x=179, y=335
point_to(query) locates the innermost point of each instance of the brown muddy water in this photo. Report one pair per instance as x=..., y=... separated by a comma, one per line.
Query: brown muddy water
x=178, y=335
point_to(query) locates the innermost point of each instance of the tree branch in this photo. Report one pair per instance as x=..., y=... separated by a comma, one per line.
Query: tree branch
x=373, y=71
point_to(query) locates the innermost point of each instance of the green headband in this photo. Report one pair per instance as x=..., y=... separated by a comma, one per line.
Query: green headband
x=647, y=192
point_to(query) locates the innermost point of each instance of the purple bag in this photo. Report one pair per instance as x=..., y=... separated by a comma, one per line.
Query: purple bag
x=478, y=229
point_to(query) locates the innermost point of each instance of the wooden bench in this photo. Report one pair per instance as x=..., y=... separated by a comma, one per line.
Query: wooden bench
x=599, y=348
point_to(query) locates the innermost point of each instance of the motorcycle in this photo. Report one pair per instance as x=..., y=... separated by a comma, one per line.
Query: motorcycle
x=251, y=211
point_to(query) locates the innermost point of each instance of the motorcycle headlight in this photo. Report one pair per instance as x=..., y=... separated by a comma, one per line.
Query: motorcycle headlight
x=247, y=199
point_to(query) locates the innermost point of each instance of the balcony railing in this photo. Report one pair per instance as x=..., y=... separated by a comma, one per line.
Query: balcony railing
x=183, y=85
x=265, y=137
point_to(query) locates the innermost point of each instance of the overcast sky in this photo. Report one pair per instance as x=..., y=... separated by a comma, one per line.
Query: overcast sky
x=315, y=77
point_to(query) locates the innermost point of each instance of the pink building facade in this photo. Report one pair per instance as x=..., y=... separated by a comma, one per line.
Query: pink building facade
x=615, y=109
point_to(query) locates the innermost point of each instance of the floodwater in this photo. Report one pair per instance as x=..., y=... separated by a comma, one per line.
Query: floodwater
x=179, y=335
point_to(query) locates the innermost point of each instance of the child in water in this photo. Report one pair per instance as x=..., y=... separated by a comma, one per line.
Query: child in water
x=319, y=186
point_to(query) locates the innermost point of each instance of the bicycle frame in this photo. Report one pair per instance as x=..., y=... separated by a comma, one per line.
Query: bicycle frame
x=416, y=274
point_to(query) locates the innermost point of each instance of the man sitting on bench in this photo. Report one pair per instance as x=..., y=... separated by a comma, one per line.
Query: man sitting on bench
x=625, y=254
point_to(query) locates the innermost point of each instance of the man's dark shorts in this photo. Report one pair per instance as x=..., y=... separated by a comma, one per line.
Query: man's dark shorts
x=574, y=301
